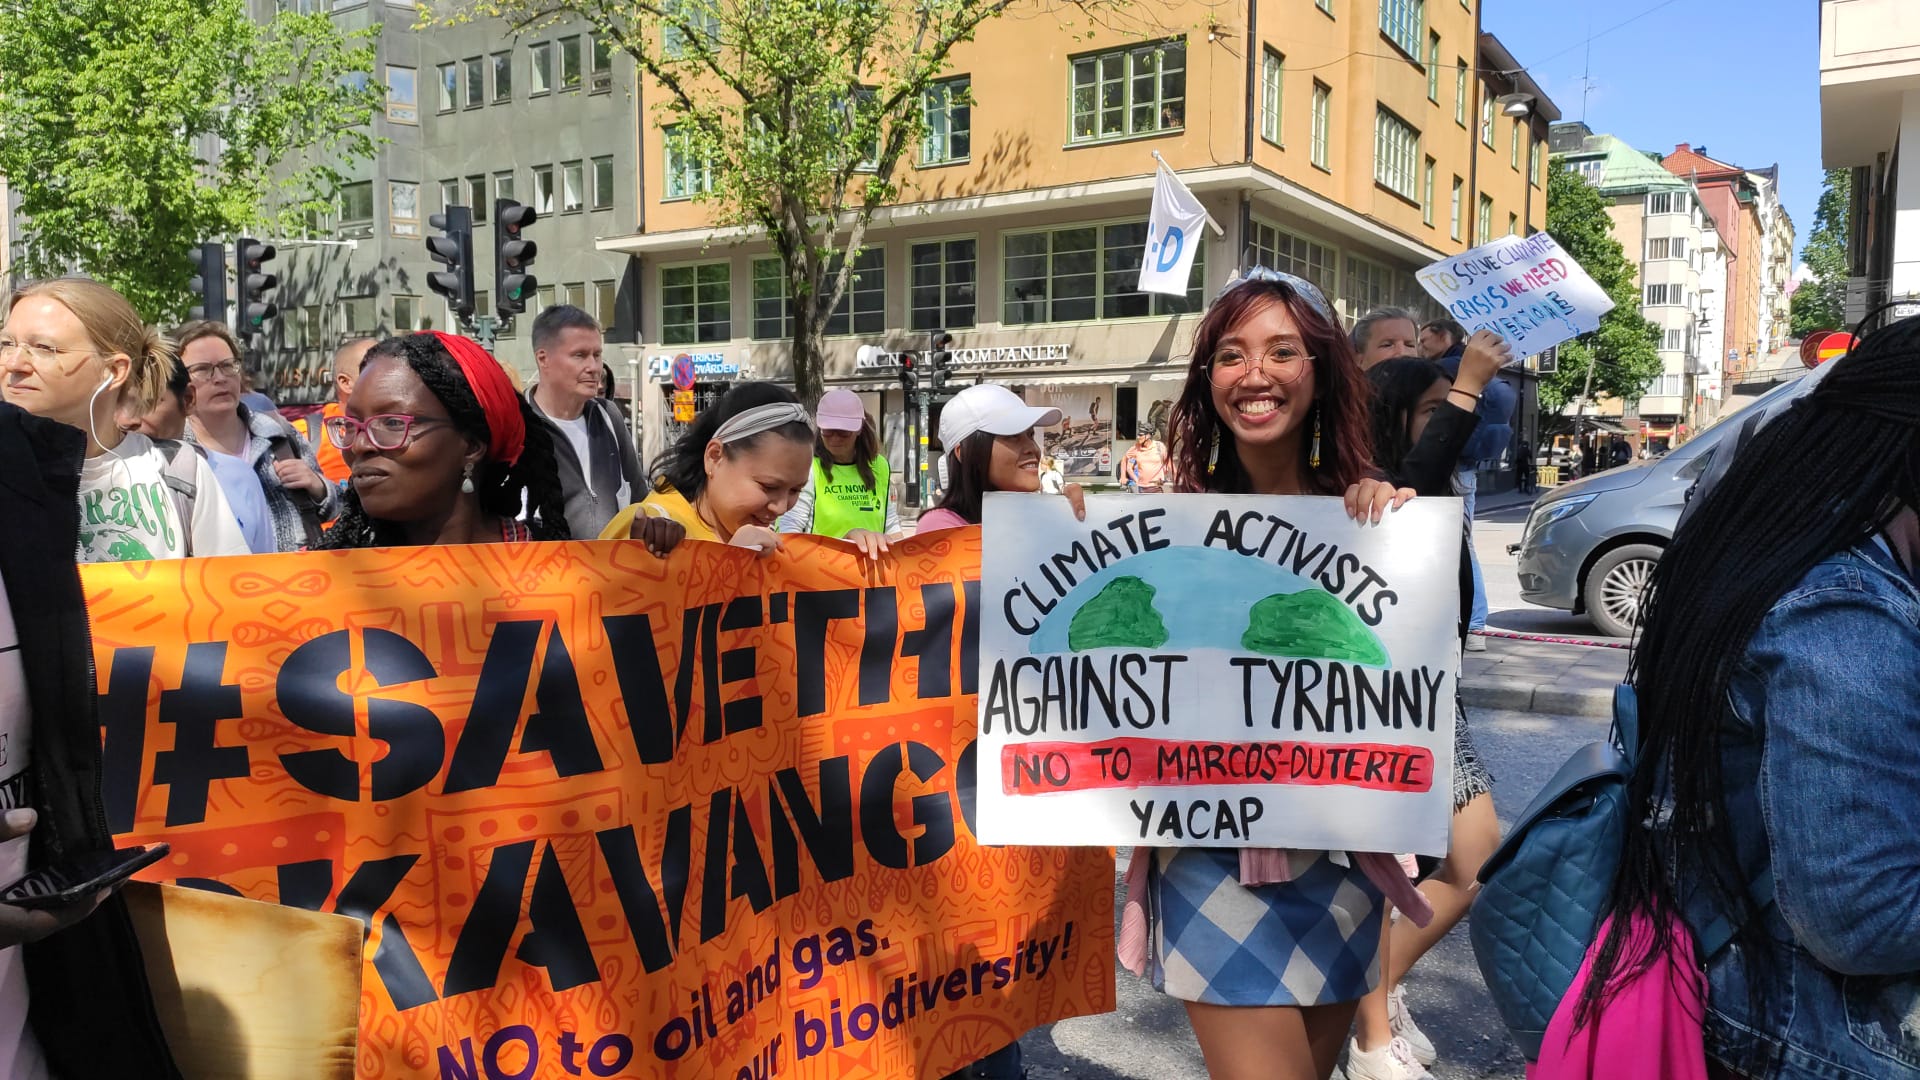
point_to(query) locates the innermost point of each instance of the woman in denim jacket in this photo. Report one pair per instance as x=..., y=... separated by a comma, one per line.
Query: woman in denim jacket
x=1779, y=685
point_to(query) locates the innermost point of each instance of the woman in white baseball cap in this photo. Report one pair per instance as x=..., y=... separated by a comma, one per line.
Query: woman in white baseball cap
x=849, y=493
x=988, y=433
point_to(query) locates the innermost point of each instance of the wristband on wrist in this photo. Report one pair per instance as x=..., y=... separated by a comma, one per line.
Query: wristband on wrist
x=1465, y=393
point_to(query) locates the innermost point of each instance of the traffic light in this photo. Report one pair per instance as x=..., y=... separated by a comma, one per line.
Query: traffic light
x=939, y=361
x=512, y=254
x=454, y=247
x=252, y=283
x=909, y=373
x=209, y=283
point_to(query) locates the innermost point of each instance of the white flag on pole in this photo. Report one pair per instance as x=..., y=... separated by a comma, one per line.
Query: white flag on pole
x=1173, y=235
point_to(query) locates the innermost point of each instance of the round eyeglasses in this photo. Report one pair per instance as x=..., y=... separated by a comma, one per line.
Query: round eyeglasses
x=1281, y=364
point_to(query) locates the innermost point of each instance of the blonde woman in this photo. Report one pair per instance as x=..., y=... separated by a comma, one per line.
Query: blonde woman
x=74, y=351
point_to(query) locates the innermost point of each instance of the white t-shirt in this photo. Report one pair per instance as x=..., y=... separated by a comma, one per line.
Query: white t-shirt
x=128, y=514
x=576, y=432
x=19, y=1054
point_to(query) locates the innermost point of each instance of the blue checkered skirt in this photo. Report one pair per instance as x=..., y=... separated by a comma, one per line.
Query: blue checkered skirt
x=1314, y=940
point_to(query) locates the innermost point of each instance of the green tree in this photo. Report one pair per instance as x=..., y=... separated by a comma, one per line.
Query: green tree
x=790, y=117
x=1623, y=353
x=134, y=130
x=1820, y=304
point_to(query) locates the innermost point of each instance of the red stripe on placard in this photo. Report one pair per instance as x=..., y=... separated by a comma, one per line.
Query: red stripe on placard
x=1043, y=768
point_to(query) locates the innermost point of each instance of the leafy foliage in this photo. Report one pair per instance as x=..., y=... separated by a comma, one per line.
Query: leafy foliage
x=133, y=131
x=1820, y=304
x=1623, y=353
x=793, y=117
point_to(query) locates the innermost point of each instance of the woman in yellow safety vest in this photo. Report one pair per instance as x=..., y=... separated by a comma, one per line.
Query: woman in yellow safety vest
x=849, y=492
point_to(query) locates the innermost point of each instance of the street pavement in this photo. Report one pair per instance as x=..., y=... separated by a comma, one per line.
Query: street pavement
x=1147, y=1037
x=1531, y=704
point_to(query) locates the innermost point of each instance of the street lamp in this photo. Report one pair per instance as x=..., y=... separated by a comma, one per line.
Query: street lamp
x=1518, y=103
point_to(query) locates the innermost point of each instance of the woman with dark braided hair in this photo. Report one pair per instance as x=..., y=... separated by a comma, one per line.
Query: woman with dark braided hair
x=1778, y=677
x=443, y=451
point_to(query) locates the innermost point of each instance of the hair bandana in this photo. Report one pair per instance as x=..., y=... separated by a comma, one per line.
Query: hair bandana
x=494, y=391
x=1301, y=287
x=750, y=422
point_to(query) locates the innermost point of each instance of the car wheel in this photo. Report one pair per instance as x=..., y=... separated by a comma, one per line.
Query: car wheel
x=1616, y=588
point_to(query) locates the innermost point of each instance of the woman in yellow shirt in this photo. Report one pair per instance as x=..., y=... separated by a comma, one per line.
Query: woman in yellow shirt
x=730, y=477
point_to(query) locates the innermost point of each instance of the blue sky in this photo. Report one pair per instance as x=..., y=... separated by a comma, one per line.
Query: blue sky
x=1742, y=79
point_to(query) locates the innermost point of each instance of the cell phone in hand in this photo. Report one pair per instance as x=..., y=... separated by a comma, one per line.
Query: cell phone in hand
x=80, y=875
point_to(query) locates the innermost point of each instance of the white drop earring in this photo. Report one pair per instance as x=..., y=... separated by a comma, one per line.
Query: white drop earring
x=466, y=481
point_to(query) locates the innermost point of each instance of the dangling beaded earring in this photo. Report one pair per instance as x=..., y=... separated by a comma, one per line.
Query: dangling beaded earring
x=1313, y=458
x=466, y=481
x=1213, y=457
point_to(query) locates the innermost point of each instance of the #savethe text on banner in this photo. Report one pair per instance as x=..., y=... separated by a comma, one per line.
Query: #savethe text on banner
x=604, y=814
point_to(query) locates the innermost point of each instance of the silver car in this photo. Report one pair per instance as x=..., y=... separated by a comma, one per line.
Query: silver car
x=1590, y=546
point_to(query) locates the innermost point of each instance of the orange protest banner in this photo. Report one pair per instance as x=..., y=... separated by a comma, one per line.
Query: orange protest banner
x=604, y=814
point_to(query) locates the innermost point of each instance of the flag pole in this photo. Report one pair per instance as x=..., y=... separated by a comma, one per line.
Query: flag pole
x=1211, y=224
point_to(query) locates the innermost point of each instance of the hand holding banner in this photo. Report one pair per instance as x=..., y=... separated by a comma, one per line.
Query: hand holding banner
x=1523, y=288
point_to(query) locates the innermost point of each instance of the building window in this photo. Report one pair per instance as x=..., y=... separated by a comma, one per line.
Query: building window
x=1396, y=152
x=503, y=185
x=1668, y=202
x=606, y=304
x=1657, y=248
x=1272, y=67
x=1679, y=247
x=1533, y=163
x=1126, y=92
x=1658, y=295
x=948, y=112
x=356, y=207
x=403, y=208
x=406, y=315
x=403, y=95
x=476, y=74
x=1460, y=92
x=1401, y=21
x=1486, y=220
x=1324, y=5
x=696, y=15
x=541, y=57
x=449, y=87
x=1676, y=340
x=688, y=174
x=1592, y=170
x=1433, y=68
x=449, y=193
x=1486, y=120
x=545, y=297
x=772, y=310
x=574, y=294
x=1426, y=194
x=863, y=306
x=1453, y=221
x=1513, y=224
x=942, y=276
x=600, y=65
x=477, y=198
x=502, y=77
x=570, y=63
x=1280, y=250
x=1322, y=122
x=695, y=303
x=1513, y=148
x=1087, y=272
x=360, y=314
x=603, y=183
x=573, y=187
x=1369, y=286
x=543, y=190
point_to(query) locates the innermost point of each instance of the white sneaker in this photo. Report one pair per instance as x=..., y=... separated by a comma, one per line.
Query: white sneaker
x=1394, y=1061
x=1476, y=643
x=1401, y=1021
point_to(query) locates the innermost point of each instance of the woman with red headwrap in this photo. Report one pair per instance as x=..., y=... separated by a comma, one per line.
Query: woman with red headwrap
x=443, y=451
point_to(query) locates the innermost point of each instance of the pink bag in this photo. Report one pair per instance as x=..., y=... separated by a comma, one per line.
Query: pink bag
x=1649, y=1030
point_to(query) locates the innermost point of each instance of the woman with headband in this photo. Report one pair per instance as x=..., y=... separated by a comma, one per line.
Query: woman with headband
x=443, y=451
x=740, y=466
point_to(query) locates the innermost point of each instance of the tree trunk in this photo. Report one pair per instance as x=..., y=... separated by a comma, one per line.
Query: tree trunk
x=809, y=353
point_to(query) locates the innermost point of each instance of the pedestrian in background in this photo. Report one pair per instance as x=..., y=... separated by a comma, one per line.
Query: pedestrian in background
x=269, y=474
x=443, y=451
x=1145, y=464
x=1274, y=404
x=1051, y=480
x=849, y=492
x=167, y=419
x=1421, y=420
x=312, y=427
x=1778, y=677
x=74, y=997
x=1382, y=334
x=1445, y=341
x=740, y=465
x=599, y=471
x=74, y=351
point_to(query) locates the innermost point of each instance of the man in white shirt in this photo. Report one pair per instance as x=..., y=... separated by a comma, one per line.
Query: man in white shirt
x=599, y=471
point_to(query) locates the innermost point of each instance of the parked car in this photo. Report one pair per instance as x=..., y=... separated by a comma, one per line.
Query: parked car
x=1590, y=546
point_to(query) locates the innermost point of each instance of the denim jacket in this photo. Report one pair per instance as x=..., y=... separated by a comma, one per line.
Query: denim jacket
x=1820, y=751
